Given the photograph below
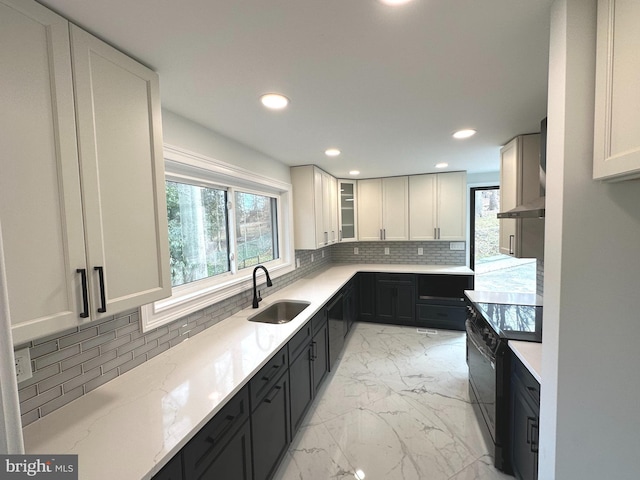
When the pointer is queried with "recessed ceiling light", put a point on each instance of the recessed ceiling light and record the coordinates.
(332, 152)
(464, 133)
(395, 2)
(354, 172)
(442, 165)
(274, 101)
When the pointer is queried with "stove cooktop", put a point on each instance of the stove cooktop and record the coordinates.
(513, 322)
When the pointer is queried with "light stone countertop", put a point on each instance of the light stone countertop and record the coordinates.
(530, 354)
(130, 427)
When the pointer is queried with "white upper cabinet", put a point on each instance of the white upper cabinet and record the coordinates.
(383, 209)
(40, 202)
(120, 150)
(348, 211)
(437, 206)
(617, 112)
(519, 183)
(315, 207)
(70, 203)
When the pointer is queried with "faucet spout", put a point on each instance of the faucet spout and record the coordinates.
(256, 294)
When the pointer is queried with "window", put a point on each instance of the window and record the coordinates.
(222, 222)
(256, 229)
(198, 240)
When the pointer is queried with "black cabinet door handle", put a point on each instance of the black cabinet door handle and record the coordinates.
(85, 298)
(103, 302)
(268, 378)
(272, 395)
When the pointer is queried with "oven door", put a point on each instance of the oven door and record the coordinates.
(482, 377)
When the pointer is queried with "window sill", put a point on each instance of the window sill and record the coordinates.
(178, 306)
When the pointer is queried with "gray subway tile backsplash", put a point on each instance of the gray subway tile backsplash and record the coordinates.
(76, 361)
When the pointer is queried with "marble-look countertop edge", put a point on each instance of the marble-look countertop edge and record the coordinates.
(530, 354)
(171, 396)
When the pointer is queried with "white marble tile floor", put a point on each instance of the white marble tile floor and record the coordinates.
(396, 408)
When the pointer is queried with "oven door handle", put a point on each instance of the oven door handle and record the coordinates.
(482, 350)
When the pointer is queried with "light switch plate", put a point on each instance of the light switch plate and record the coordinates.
(23, 365)
(322, 253)
(297, 263)
(312, 258)
(356, 250)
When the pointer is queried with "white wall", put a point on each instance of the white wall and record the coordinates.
(186, 134)
(483, 179)
(590, 420)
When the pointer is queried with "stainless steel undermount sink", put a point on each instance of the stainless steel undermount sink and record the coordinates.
(282, 311)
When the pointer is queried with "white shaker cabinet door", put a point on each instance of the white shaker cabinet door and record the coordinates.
(395, 208)
(40, 205)
(509, 184)
(370, 209)
(122, 174)
(452, 206)
(422, 207)
(617, 113)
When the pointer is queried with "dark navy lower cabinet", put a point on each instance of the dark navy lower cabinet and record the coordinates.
(525, 413)
(366, 296)
(320, 356)
(222, 448)
(440, 300)
(270, 430)
(395, 298)
(172, 470)
(301, 386)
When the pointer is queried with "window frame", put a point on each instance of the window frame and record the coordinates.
(189, 167)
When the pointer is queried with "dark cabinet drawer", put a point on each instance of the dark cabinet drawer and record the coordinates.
(212, 439)
(263, 381)
(438, 315)
(397, 278)
(319, 320)
(299, 342)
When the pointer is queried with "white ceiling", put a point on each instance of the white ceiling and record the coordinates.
(386, 85)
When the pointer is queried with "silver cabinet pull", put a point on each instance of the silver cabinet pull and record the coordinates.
(511, 240)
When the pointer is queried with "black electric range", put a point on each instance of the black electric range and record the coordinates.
(513, 322)
(489, 327)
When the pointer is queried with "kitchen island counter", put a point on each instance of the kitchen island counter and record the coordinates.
(130, 427)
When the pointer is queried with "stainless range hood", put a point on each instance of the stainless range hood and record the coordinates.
(532, 209)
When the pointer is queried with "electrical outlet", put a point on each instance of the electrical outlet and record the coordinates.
(312, 258)
(456, 245)
(322, 253)
(23, 365)
(420, 251)
(356, 251)
(297, 263)
(386, 250)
